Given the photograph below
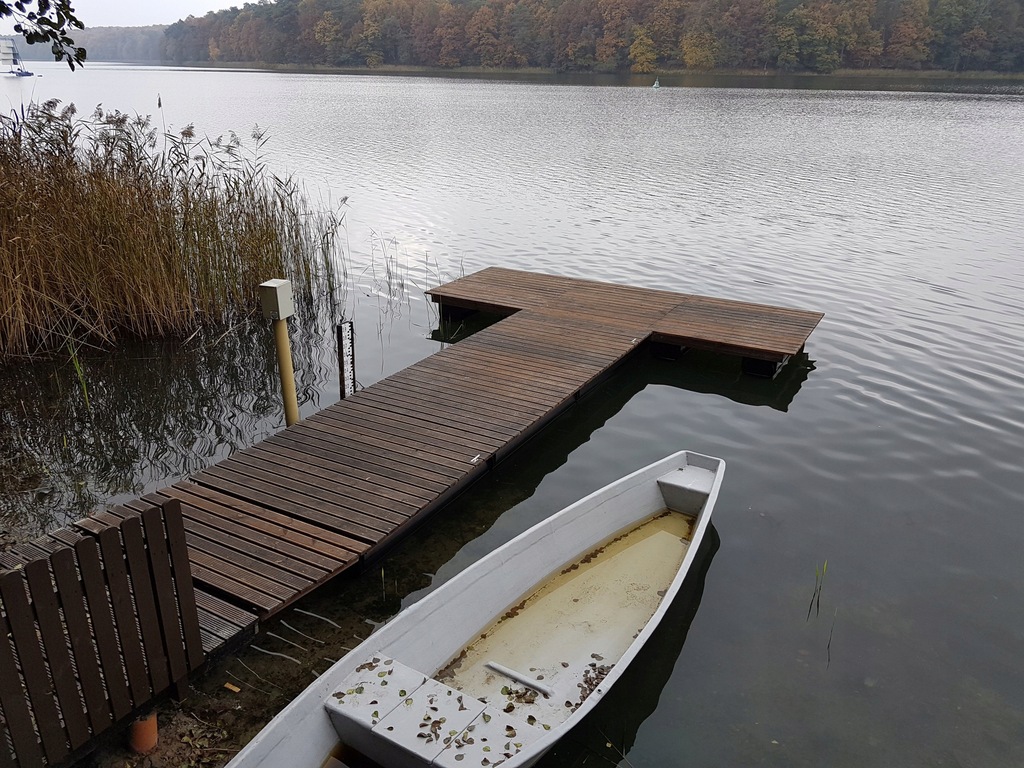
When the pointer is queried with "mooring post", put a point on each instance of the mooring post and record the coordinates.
(277, 303)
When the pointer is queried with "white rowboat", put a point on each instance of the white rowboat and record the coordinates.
(498, 663)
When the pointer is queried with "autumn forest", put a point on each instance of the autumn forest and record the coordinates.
(611, 35)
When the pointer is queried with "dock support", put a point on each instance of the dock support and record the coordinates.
(276, 301)
(764, 369)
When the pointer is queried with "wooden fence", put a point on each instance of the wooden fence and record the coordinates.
(92, 631)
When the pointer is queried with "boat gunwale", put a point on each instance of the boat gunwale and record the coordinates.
(261, 750)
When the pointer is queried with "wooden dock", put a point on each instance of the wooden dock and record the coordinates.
(274, 521)
(256, 532)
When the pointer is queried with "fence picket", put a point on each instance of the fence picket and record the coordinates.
(103, 627)
(55, 642)
(73, 601)
(145, 602)
(15, 705)
(22, 625)
(92, 627)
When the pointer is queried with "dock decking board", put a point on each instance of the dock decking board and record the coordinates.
(272, 522)
(754, 330)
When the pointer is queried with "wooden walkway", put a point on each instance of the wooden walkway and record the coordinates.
(273, 522)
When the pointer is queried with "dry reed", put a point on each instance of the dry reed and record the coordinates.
(103, 235)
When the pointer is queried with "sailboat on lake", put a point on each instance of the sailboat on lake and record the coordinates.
(10, 59)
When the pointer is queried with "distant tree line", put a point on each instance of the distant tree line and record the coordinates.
(611, 35)
(582, 35)
(110, 44)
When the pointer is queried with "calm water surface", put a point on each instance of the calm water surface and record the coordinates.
(894, 452)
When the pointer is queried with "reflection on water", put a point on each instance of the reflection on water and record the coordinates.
(147, 414)
(137, 417)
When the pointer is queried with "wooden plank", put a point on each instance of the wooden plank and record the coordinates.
(501, 375)
(279, 496)
(712, 322)
(531, 381)
(569, 366)
(298, 558)
(13, 698)
(217, 626)
(101, 616)
(6, 752)
(399, 435)
(337, 449)
(570, 353)
(546, 329)
(72, 600)
(89, 525)
(414, 430)
(489, 381)
(22, 626)
(203, 571)
(214, 605)
(367, 501)
(124, 614)
(280, 553)
(328, 543)
(451, 415)
(65, 536)
(303, 513)
(307, 491)
(267, 561)
(320, 456)
(167, 604)
(379, 441)
(364, 486)
(284, 583)
(145, 604)
(537, 375)
(177, 550)
(25, 552)
(512, 409)
(54, 634)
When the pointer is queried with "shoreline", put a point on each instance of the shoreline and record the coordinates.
(929, 76)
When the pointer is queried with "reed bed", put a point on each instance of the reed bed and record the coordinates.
(110, 229)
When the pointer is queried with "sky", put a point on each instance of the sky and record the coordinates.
(142, 13)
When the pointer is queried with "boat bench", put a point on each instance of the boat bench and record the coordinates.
(401, 717)
(685, 490)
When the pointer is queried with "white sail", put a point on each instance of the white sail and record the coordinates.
(10, 60)
(8, 57)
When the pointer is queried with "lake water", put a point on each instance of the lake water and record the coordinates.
(894, 452)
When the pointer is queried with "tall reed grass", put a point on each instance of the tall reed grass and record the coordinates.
(110, 229)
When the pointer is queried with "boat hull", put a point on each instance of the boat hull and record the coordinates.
(426, 637)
